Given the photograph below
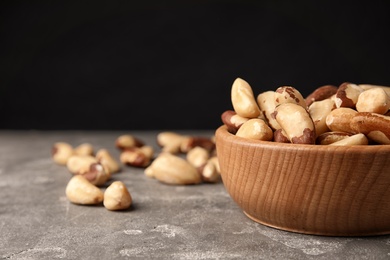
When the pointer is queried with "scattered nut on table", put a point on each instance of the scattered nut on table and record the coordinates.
(80, 191)
(117, 196)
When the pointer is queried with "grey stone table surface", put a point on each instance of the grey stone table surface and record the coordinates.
(165, 222)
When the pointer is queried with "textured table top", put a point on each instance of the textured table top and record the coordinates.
(165, 222)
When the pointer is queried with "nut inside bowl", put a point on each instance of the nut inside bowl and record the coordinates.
(311, 189)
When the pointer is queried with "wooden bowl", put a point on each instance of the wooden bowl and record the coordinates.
(311, 189)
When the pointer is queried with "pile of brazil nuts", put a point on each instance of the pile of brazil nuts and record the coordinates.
(90, 171)
(348, 114)
(183, 160)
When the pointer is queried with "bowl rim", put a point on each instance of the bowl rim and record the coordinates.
(223, 133)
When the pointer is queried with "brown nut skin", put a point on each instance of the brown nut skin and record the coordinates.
(117, 197)
(232, 121)
(296, 123)
(280, 136)
(255, 129)
(374, 126)
(80, 191)
(347, 95)
(338, 120)
(289, 94)
(321, 93)
(193, 141)
(373, 100)
(98, 175)
(243, 99)
(61, 152)
(134, 157)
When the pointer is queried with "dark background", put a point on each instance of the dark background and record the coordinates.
(116, 65)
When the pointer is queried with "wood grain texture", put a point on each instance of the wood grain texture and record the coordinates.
(312, 189)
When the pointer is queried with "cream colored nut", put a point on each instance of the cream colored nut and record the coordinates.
(289, 94)
(80, 191)
(134, 157)
(61, 152)
(148, 151)
(194, 141)
(79, 164)
(210, 173)
(331, 137)
(373, 100)
(171, 169)
(280, 136)
(356, 139)
(296, 123)
(243, 100)
(104, 157)
(198, 156)
(255, 129)
(97, 174)
(374, 126)
(347, 95)
(215, 161)
(128, 141)
(232, 121)
(117, 196)
(321, 93)
(266, 102)
(338, 120)
(170, 141)
(369, 86)
(84, 149)
(318, 111)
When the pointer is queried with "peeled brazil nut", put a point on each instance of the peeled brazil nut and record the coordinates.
(266, 102)
(296, 123)
(170, 141)
(289, 94)
(375, 126)
(373, 100)
(331, 137)
(171, 169)
(356, 139)
(321, 93)
(104, 157)
(243, 100)
(128, 141)
(79, 164)
(255, 129)
(117, 196)
(318, 111)
(369, 86)
(339, 120)
(347, 95)
(80, 191)
(61, 152)
(84, 149)
(232, 121)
